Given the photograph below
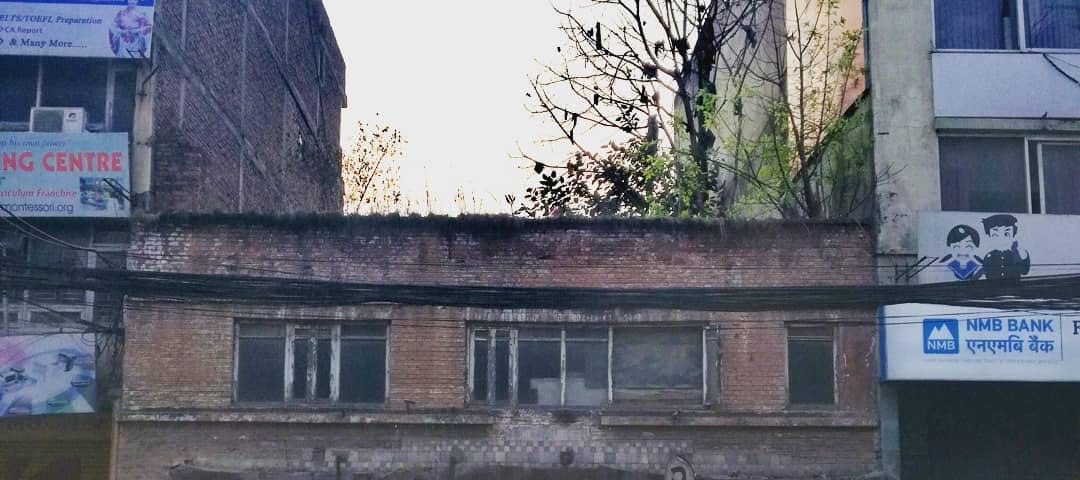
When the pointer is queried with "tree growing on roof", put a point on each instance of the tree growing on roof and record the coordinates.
(370, 170)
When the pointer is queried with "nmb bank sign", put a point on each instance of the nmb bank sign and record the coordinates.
(940, 342)
(77, 28)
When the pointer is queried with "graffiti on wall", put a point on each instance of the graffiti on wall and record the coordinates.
(44, 374)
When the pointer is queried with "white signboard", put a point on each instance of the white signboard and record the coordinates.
(977, 245)
(64, 174)
(77, 28)
(938, 342)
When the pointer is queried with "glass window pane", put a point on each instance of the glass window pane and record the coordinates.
(502, 367)
(983, 174)
(587, 372)
(301, 354)
(123, 114)
(1052, 23)
(363, 371)
(263, 331)
(480, 370)
(322, 369)
(648, 358)
(18, 75)
(587, 334)
(1061, 178)
(365, 331)
(540, 333)
(975, 24)
(76, 82)
(538, 379)
(810, 371)
(260, 367)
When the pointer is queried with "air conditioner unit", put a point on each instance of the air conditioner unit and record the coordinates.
(58, 119)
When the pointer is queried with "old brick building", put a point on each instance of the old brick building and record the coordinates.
(241, 389)
(207, 106)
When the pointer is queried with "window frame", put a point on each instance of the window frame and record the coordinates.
(833, 332)
(310, 399)
(113, 67)
(707, 332)
(1020, 24)
(1029, 158)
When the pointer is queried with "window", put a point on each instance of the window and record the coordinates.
(811, 376)
(105, 88)
(1016, 175)
(996, 25)
(310, 363)
(587, 366)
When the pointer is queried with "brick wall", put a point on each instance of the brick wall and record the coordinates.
(243, 119)
(177, 404)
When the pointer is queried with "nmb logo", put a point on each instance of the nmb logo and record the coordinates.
(940, 335)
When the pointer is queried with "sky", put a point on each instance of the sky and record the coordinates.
(452, 77)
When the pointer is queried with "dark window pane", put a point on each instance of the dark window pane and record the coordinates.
(536, 333)
(363, 371)
(262, 331)
(1052, 23)
(322, 369)
(480, 370)
(587, 372)
(123, 114)
(18, 75)
(1061, 165)
(363, 331)
(301, 352)
(260, 363)
(538, 373)
(502, 367)
(646, 358)
(76, 82)
(587, 334)
(983, 174)
(810, 369)
(975, 24)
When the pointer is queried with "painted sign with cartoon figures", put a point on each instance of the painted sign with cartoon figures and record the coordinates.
(995, 246)
(44, 374)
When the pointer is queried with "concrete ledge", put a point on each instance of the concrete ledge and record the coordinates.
(1006, 125)
(734, 420)
(285, 416)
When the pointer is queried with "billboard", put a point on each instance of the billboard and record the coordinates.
(64, 174)
(977, 245)
(77, 28)
(939, 342)
(42, 374)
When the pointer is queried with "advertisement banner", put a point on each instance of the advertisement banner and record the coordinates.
(77, 28)
(43, 374)
(939, 342)
(978, 245)
(64, 174)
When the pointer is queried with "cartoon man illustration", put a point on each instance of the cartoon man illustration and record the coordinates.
(963, 241)
(1004, 260)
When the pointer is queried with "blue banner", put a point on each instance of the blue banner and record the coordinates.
(77, 28)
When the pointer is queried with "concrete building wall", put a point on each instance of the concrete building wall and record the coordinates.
(178, 409)
(246, 101)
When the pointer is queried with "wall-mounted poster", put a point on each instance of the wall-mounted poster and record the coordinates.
(77, 28)
(42, 374)
(996, 246)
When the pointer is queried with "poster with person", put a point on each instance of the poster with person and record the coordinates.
(77, 28)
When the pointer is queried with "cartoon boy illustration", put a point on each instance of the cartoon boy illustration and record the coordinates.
(963, 241)
(1004, 260)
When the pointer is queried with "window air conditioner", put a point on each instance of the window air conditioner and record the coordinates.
(58, 119)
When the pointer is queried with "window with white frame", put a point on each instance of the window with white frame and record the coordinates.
(589, 366)
(104, 87)
(811, 369)
(1010, 174)
(1007, 24)
(310, 363)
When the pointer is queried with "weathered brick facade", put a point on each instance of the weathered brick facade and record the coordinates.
(247, 100)
(178, 416)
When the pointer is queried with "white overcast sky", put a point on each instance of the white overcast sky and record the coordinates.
(452, 77)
